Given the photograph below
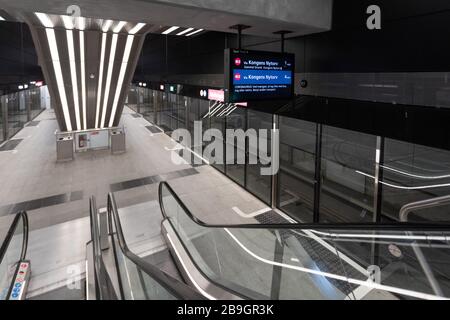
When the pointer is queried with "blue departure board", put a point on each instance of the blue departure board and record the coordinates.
(258, 75)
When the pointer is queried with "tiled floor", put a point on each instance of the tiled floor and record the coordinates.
(10, 145)
(32, 123)
(153, 129)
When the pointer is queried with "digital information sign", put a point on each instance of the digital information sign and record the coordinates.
(258, 75)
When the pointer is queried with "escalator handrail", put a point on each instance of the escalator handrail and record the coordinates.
(177, 288)
(400, 226)
(12, 229)
(103, 285)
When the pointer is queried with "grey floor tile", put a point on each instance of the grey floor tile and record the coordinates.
(10, 145)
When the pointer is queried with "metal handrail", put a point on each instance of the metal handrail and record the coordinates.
(175, 287)
(12, 229)
(403, 216)
(103, 286)
(423, 204)
(5, 245)
(401, 226)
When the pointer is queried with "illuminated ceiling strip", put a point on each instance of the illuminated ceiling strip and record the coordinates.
(219, 107)
(68, 22)
(123, 68)
(195, 32)
(185, 31)
(136, 28)
(171, 29)
(59, 77)
(366, 283)
(107, 25)
(431, 186)
(232, 110)
(73, 72)
(45, 20)
(415, 175)
(81, 23)
(119, 26)
(51, 38)
(108, 78)
(100, 80)
(211, 109)
(228, 108)
(83, 79)
(73, 69)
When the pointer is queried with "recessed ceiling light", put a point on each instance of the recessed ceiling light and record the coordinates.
(195, 32)
(185, 31)
(2, 19)
(171, 29)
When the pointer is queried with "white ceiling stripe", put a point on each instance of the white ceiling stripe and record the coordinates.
(185, 31)
(123, 68)
(170, 30)
(83, 79)
(100, 80)
(59, 77)
(108, 78)
(73, 74)
(136, 28)
(195, 32)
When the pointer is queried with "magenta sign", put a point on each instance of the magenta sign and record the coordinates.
(219, 95)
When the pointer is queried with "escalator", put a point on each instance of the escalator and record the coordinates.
(132, 278)
(15, 269)
(279, 260)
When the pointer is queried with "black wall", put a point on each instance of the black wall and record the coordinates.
(414, 38)
(18, 59)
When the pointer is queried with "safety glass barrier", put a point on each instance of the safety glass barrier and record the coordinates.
(296, 263)
(138, 279)
(12, 251)
(19, 108)
(138, 285)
